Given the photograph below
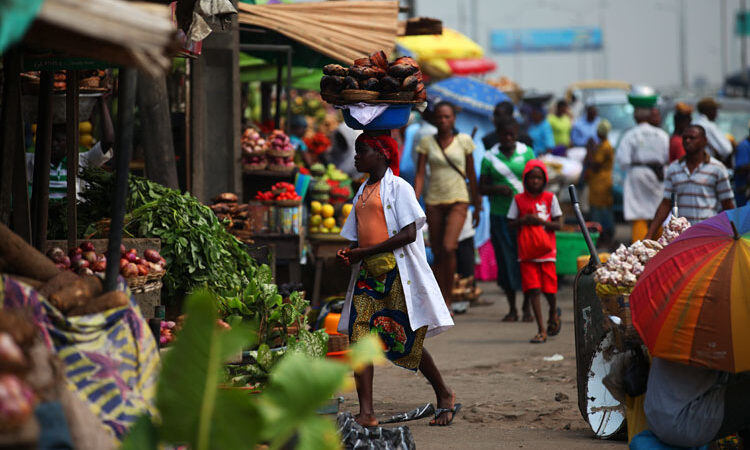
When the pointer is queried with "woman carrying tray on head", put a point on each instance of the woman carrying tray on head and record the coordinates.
(447, 199)
(392, 290)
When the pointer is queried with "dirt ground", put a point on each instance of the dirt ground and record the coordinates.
(511, 397)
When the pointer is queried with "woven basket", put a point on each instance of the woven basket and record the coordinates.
(281, 153)
(281, 169)
(136, 282)
(327, 96)
(255, 167)
(359, 95)
(338, 342)
(155, 276)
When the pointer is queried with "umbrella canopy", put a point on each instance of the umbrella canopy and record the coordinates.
(468, 94)
(447, 54)
(691, 304)
(449, 45)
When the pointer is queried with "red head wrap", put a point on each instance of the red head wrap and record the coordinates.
(385, 145)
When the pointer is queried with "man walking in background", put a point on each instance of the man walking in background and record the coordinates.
(585, 128)
(643, 152)
(699, 182)
(718, 145)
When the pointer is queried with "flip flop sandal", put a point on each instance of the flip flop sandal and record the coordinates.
(510, 318)
(538, 339)
(438, 411)
(554, 326)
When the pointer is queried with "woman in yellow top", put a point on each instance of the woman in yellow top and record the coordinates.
(447, 199)
(561, 123)
(600, 161)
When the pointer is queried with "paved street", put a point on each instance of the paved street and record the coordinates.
(507, 390)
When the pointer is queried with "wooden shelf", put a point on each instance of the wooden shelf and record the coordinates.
(269, 173)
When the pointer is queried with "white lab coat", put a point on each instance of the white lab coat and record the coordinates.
(424, 301)
(642, 144)
(718, 145)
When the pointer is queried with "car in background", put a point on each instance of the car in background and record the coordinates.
(733, 118)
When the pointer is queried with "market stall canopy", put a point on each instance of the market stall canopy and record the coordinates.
(15, 18)
(115, 31)
(468, 94)
(257, 69)
(340, 30)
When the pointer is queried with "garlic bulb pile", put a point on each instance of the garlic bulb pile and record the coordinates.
(674, 228)
(626, 264)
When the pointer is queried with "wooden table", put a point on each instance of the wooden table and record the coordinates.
(287, 249)
(323, 246)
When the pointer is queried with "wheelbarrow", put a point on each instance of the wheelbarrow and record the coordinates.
(604, 414)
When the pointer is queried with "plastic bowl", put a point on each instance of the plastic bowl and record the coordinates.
(395, 116)
(645, 101)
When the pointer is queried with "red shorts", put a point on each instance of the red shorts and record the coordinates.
(539, 275)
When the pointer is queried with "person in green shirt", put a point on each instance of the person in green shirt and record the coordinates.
(500, 178)
(561, 123)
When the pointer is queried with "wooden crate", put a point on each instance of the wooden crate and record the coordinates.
(147, 301)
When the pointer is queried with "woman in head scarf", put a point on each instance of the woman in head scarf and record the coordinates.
(392, 290)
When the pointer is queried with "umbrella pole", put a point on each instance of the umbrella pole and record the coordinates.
(582, 224)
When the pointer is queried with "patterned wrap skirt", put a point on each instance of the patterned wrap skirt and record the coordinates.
(379, 306)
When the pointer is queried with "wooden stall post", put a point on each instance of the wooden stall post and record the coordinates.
(42, 159)
(71, 144)
(13, 183)
(123, 150)
(277, 115)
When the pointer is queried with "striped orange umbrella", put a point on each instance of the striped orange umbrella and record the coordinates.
(691, 305)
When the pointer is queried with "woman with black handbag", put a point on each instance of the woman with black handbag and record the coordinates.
(452, 187)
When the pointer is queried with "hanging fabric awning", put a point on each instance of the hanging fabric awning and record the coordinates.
(341, 30)
(115, 31)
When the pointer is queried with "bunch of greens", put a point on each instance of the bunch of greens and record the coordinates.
(260, 300)
(197, 410)
(198, 249)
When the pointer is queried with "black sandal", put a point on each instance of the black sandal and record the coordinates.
(438, 411)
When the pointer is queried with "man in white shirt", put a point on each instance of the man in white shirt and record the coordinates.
(643, 152)
(718, 145)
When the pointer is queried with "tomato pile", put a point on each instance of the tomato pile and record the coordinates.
(279, 191)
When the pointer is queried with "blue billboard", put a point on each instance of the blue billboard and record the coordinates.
(546, 40)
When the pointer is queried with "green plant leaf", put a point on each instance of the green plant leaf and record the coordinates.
(366, 351)
(264, 358)
(298, 386)
(187, 393)
(318, 433)
(313, 345)
(142, 435)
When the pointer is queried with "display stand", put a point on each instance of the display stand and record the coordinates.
(324, 246)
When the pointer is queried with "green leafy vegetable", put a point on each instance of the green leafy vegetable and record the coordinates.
(196, 409)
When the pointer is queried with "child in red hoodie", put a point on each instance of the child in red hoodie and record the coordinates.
(537, 213)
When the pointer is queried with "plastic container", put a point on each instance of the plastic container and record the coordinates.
(571, 245)
(395, 116)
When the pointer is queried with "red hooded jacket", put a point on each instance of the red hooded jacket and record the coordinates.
(545, 206)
